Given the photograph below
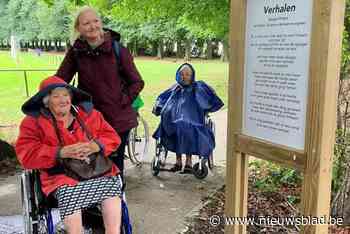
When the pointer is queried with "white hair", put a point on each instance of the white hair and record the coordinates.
(46, 100)
(47, 97)
(186, 66)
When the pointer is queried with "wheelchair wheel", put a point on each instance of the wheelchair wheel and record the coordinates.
(27, 204)
(211, 161)
(138, 141)
(159, 159)
(211, 125)
(161, 153)
(35, 221)
(155, 166)
(200, 173)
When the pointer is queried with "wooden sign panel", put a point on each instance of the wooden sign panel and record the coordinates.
(284, 69)
(277, 51)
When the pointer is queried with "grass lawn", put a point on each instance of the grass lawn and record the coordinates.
(158, 76)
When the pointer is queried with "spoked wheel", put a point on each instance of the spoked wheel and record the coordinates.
(34, 222)
(45, 224)
(161, 153)
(200, 173)
(211, 161)
(211, 125)
(138, 141)
(159, 159)
(155, 166)
(26, 203)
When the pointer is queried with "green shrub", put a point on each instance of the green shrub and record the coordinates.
(269, 177)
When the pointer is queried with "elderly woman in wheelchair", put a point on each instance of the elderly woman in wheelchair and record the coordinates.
(62, 127)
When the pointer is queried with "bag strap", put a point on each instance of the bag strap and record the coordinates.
(56, 129)
(117, 52)
(81, 123)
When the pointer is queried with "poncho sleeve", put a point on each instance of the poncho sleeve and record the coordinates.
(162, 100)
(207, 98)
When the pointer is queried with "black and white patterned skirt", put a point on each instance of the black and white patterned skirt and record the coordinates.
(87, 194)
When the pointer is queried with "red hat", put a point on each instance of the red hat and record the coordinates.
(35, 103)
(51, 80)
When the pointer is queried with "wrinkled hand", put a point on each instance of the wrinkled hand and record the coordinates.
(79, 150)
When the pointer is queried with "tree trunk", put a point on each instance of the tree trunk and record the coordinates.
(56, 45)
(134, 48)
(179, 49)
(341, 202)
(187, 50)
(160, 50)
(169, 49)
(154, 48)
(60, 45)
(68, 44)
(225, 51)
(339, 118)
(209, 49)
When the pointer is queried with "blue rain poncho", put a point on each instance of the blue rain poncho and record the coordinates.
(182, 108)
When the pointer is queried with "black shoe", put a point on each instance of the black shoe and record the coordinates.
(176, 168)
(187, 170)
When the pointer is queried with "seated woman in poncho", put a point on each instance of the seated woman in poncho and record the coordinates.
(183, 109)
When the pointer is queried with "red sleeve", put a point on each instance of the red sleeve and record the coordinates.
(68, 66)
(31, 152)
(132, 76)
(104, 134)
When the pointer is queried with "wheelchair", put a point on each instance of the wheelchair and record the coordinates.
(200, 169)
(138, 141)
(37, 216)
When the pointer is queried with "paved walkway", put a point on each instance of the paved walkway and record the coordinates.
(157, 204)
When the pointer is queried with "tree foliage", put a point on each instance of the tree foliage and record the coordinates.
(55, 20)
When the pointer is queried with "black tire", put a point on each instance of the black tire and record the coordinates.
(138, 142)
(155, 166)
(161, 153)
(211, 161)
(34, 223)
(26, 203)
(200, 174)
(211, 125)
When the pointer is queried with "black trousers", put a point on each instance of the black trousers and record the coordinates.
(119, 159)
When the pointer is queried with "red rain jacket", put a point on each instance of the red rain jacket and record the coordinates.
(37, 144)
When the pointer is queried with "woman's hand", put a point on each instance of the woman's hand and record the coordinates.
(91, 148)
(79, 150)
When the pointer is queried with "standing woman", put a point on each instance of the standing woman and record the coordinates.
(92, 56)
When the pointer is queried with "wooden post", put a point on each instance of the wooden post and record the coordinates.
(328, 18)
(236, 162)
(315, 157)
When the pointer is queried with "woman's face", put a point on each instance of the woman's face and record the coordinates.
(186, 75)
(90, 26)
(60, 102)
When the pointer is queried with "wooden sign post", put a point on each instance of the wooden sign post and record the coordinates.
(284, 70)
